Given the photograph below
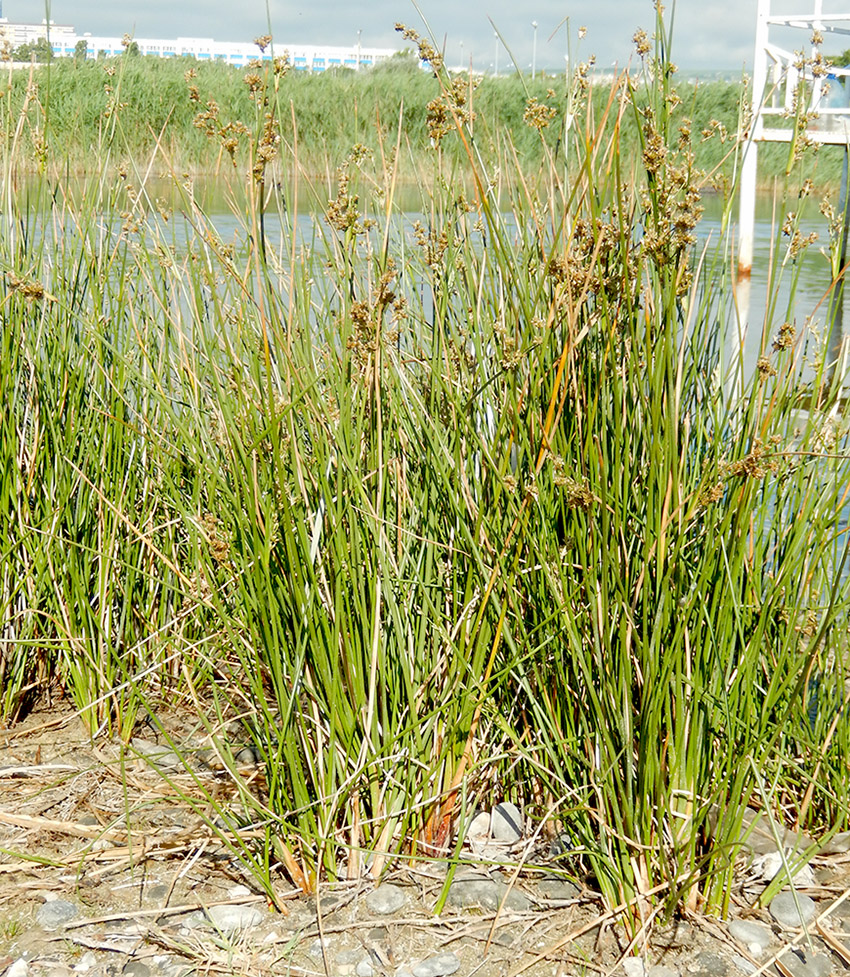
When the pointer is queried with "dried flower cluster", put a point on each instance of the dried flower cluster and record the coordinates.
(427, 52)
(761, 460)
(786, 337)
(641, 42)
(342, 212)
(799, 241)
(671, 200)
(30, 289)
(537, 115)
(434, 245)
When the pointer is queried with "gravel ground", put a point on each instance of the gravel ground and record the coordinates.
(80, 894)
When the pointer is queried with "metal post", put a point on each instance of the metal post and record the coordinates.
(496, 59)
(534, 52)
(749, 167)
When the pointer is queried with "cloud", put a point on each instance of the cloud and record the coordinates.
(708, 33)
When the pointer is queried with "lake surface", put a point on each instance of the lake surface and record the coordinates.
(779, 289)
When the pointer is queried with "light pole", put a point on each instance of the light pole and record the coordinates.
(496, 60)
(358, 47)
(461, 55)
(534, 52)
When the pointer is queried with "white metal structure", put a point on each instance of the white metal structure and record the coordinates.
(789, 84)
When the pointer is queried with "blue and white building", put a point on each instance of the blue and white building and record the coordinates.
(304, 57)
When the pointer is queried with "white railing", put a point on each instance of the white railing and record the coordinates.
(798, 87)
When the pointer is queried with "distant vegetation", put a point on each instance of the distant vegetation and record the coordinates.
(73, 110)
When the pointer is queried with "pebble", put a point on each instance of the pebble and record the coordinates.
(708, 964)
(676, 935)
(191, 921)
(506, 823)
(837, 845)
(440, 965)
(88, 961)
(770, 865)
(744, 965)
(751, 935)
(135, 968)
(364, 968)
(315, 948)
(165, 760)
(661, 970)
(485, 892)
(557, 890)
(386, 899)
(19, 968)
(56, 913)
(234, 919)
(239, 892)
(803, 964)
(634, 967)
(793, 910)
(479, 828)
(348, 958)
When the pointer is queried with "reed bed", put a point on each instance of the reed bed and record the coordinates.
(433, 509)
(63, 115)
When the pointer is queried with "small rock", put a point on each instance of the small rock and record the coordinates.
(557, 890)
(471, 888)
(676, 935)
(803, 964)
(758, 835)
(440, 965)
(345, 958)
(234, 919)
(164, 759)
(155, 893)
(191, 921)
(56, 913)
(660, 970)
(19, 968)
(88, 961)
(315, 948)
(364, 968)
(506, 823)
(708, 964)
(478, 831)
(560, 845)
(634, 967)
(744, 965)
(750, 934)
(135, 968)
(770, 865)
(837, 845)
(246, 757)
(386, 899)
(793, 910)
(239, 892)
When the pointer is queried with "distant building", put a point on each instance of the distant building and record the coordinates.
(17, 34)
(304, 57)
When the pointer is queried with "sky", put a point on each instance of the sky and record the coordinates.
(707, 34)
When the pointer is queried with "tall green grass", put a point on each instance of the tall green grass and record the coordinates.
(442, 507)
(155, 109)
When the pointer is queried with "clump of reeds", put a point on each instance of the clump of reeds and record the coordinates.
(447, 508)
